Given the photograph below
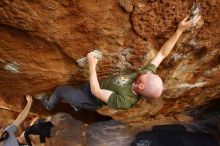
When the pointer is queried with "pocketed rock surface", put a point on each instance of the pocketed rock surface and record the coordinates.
(41, 41)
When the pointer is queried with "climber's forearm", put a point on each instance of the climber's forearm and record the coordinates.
(94, 84)
(169, 44)
(166, 48)
(102, 94)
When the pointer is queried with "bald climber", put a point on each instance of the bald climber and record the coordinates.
(118, 91)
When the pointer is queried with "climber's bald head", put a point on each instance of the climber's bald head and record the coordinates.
(148, 85)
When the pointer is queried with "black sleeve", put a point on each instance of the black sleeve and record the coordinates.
(26, 136)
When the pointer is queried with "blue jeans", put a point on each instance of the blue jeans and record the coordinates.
(79, 98)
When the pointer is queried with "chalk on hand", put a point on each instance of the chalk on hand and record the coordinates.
(83, 61)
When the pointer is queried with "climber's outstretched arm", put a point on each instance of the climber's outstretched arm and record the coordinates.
(169, 44)
(22, 116)
(102, 94)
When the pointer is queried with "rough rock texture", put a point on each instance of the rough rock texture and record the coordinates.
(109, 133)
(71, 132)
(40, 42)
(66, 131)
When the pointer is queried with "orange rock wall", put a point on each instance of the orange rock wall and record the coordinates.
(40, 42)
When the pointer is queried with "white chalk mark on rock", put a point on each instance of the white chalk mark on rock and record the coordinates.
(189, 86)
(12, 67)
(195, 11)
(176, 56)
(83, 61)
(192, 43)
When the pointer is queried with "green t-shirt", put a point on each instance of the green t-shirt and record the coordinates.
(122, 96)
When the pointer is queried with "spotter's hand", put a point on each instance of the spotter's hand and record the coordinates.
(29, 99)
